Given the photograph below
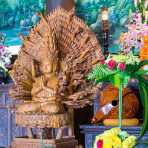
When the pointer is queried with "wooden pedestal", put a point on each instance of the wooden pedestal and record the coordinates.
(67, 142)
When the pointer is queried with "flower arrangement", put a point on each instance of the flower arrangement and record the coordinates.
(5, 56)
(115, 138)
(133, 40)
(120, 68)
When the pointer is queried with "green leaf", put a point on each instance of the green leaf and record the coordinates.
(141, 72)
(141, 64)
(126, 80)
(101, 73)
(117, 80)
(144, 96)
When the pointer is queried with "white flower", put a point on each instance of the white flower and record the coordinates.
(5, 58)
(136, 3)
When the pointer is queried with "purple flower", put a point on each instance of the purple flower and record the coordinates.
(127, 50)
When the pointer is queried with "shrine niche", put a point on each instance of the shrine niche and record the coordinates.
(50, 72)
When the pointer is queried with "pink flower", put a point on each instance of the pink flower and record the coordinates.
(102, 62)
(2, 49)
(122, 66)
(132, 27)
(100, 144)
(127, 50)
(1, 46)
(111, 64)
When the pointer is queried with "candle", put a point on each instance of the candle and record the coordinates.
(105, 25)
(104, 14)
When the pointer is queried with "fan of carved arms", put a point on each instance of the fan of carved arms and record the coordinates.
(51, 69)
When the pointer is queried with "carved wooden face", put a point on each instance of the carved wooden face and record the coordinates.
(46, 67)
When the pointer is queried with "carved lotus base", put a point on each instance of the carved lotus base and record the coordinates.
(67, 142)
(41, 120)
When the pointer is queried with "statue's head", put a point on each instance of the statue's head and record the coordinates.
(49, 55)
(46, 67)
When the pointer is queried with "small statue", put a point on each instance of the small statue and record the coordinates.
(109, 107)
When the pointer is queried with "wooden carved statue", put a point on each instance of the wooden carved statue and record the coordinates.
(51, 69)
(109, 101)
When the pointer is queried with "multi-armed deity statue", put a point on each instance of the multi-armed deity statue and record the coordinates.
(51, 69)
